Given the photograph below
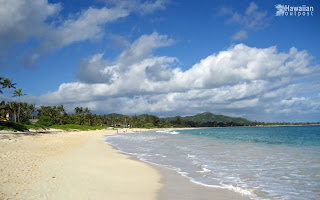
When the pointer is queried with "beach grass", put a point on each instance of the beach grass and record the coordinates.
(12, 126)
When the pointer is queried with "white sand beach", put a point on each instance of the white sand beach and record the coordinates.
(71, 165)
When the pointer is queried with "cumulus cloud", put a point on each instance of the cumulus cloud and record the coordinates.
(41, 22)
(239, 80)
(137, 58)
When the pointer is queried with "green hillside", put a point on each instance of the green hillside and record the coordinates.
(210, 117)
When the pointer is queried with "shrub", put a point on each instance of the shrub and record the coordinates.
(44, 121)
(148, 125)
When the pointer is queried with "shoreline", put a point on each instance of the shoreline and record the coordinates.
(61, 164)
(177, 187)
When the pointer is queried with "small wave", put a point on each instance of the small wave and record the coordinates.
(241, 191)
(191, 156)
(168, 131)
(162, 131)
(204, 169)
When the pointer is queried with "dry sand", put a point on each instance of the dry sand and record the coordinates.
(71, 165)
(79, 165)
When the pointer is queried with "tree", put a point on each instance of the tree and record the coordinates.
(79, 117)
(31, 109)
(86, 110)
(62, 115)
(14, 107)
(87, 116)
(61, 109)
(7, 83)
(4, 108)
(78, 110)
(1, 83)
(18, 93)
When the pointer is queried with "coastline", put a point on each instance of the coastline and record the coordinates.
(178, 187)
(79, 165)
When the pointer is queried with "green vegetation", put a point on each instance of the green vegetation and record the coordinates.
(78, 127)
(12, 126)
(208, 119)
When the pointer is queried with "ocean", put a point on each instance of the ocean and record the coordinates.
(262, 162)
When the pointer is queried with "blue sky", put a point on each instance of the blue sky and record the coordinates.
(165, 57)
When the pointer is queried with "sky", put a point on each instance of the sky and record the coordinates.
(165, 57)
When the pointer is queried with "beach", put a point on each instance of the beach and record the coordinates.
(79, 165)
(71, 165)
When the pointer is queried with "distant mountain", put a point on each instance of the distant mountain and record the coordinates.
(210, 117)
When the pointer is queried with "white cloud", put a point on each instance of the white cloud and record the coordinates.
(297, 105)
(138, 6)
(40, 21)
(136, 59)
(239, 80)
(83, 26)
(240, 35)
(22, 19)
(141, 48)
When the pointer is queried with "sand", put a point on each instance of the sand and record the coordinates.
(79, 165)
(177, 187)
(71, 165)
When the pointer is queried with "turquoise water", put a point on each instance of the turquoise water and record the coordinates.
(282, 135)
(262, 162)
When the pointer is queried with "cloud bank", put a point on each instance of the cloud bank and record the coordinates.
(241, 79)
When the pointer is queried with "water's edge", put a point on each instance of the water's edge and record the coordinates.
(177, 186)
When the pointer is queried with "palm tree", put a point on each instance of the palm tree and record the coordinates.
(18, 93)
(7, 83)
(31, 109)
(86, 110)
(61, 114)
(14, 107)
(87, 114)
(1, 83)
(78, 110)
